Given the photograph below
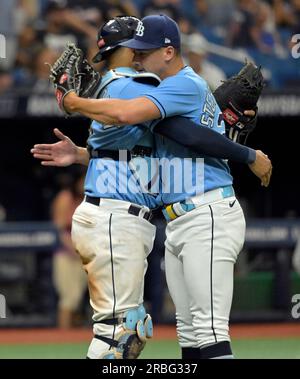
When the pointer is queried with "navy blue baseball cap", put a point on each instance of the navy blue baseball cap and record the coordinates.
(153, 32)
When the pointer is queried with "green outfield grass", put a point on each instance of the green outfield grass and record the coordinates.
(164, 349)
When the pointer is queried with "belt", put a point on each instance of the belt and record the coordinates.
(133, 209)
(120, 155)
(173, 211)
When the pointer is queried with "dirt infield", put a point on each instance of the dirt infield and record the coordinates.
(247, 331)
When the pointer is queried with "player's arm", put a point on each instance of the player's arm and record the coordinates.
(203, 141)
(116, 111)
(113, 111)
(207, 142)
(62, 153)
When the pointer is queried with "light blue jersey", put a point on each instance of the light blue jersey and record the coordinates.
(107, 178)
(188, 95)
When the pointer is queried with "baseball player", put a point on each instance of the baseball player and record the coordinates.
(111, 229)
(206, 226)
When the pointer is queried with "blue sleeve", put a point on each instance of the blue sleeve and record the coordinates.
(136, 89)
(175, 96)
(204, 141)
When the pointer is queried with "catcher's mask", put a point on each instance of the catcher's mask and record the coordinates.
(112, 33)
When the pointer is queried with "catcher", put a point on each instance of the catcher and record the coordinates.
(192, 343)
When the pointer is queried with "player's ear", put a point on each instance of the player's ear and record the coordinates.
(169, 53)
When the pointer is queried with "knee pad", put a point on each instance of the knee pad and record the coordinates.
(146, 320)
(131, 335)
(137, 328)
(138, 320)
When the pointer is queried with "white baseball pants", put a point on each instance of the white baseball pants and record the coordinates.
(201, 249)
(113, 246)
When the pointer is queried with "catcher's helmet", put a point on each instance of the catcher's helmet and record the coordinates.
(112, 33)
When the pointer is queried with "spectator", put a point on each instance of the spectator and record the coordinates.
(91, 12)
(41, 70)
(296, 16)
(55, 35)
(118, 7)
(212, 13)
(219, 12)
(265, 35)
(33, 76)
(69, 278)
(166, 7)
(186, 28)
(64, 25)
(283, 12)
(27, 41)
(198, 59)
(243, 24)
(6, 81)
(195, 11)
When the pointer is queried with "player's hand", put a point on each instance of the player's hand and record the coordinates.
(59, 154)
(249, 113)
(262, 168)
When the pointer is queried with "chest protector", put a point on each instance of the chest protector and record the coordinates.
(141, 77)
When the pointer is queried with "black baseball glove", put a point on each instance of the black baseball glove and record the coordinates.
(236, 95)
(72, 72)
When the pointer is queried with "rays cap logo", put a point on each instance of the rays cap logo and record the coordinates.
(154, 32)
(140, 29)
(2, 46)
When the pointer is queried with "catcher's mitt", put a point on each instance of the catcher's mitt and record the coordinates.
(72, 72)
(237, 94)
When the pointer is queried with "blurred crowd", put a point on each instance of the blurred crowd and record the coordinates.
(217, 35)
